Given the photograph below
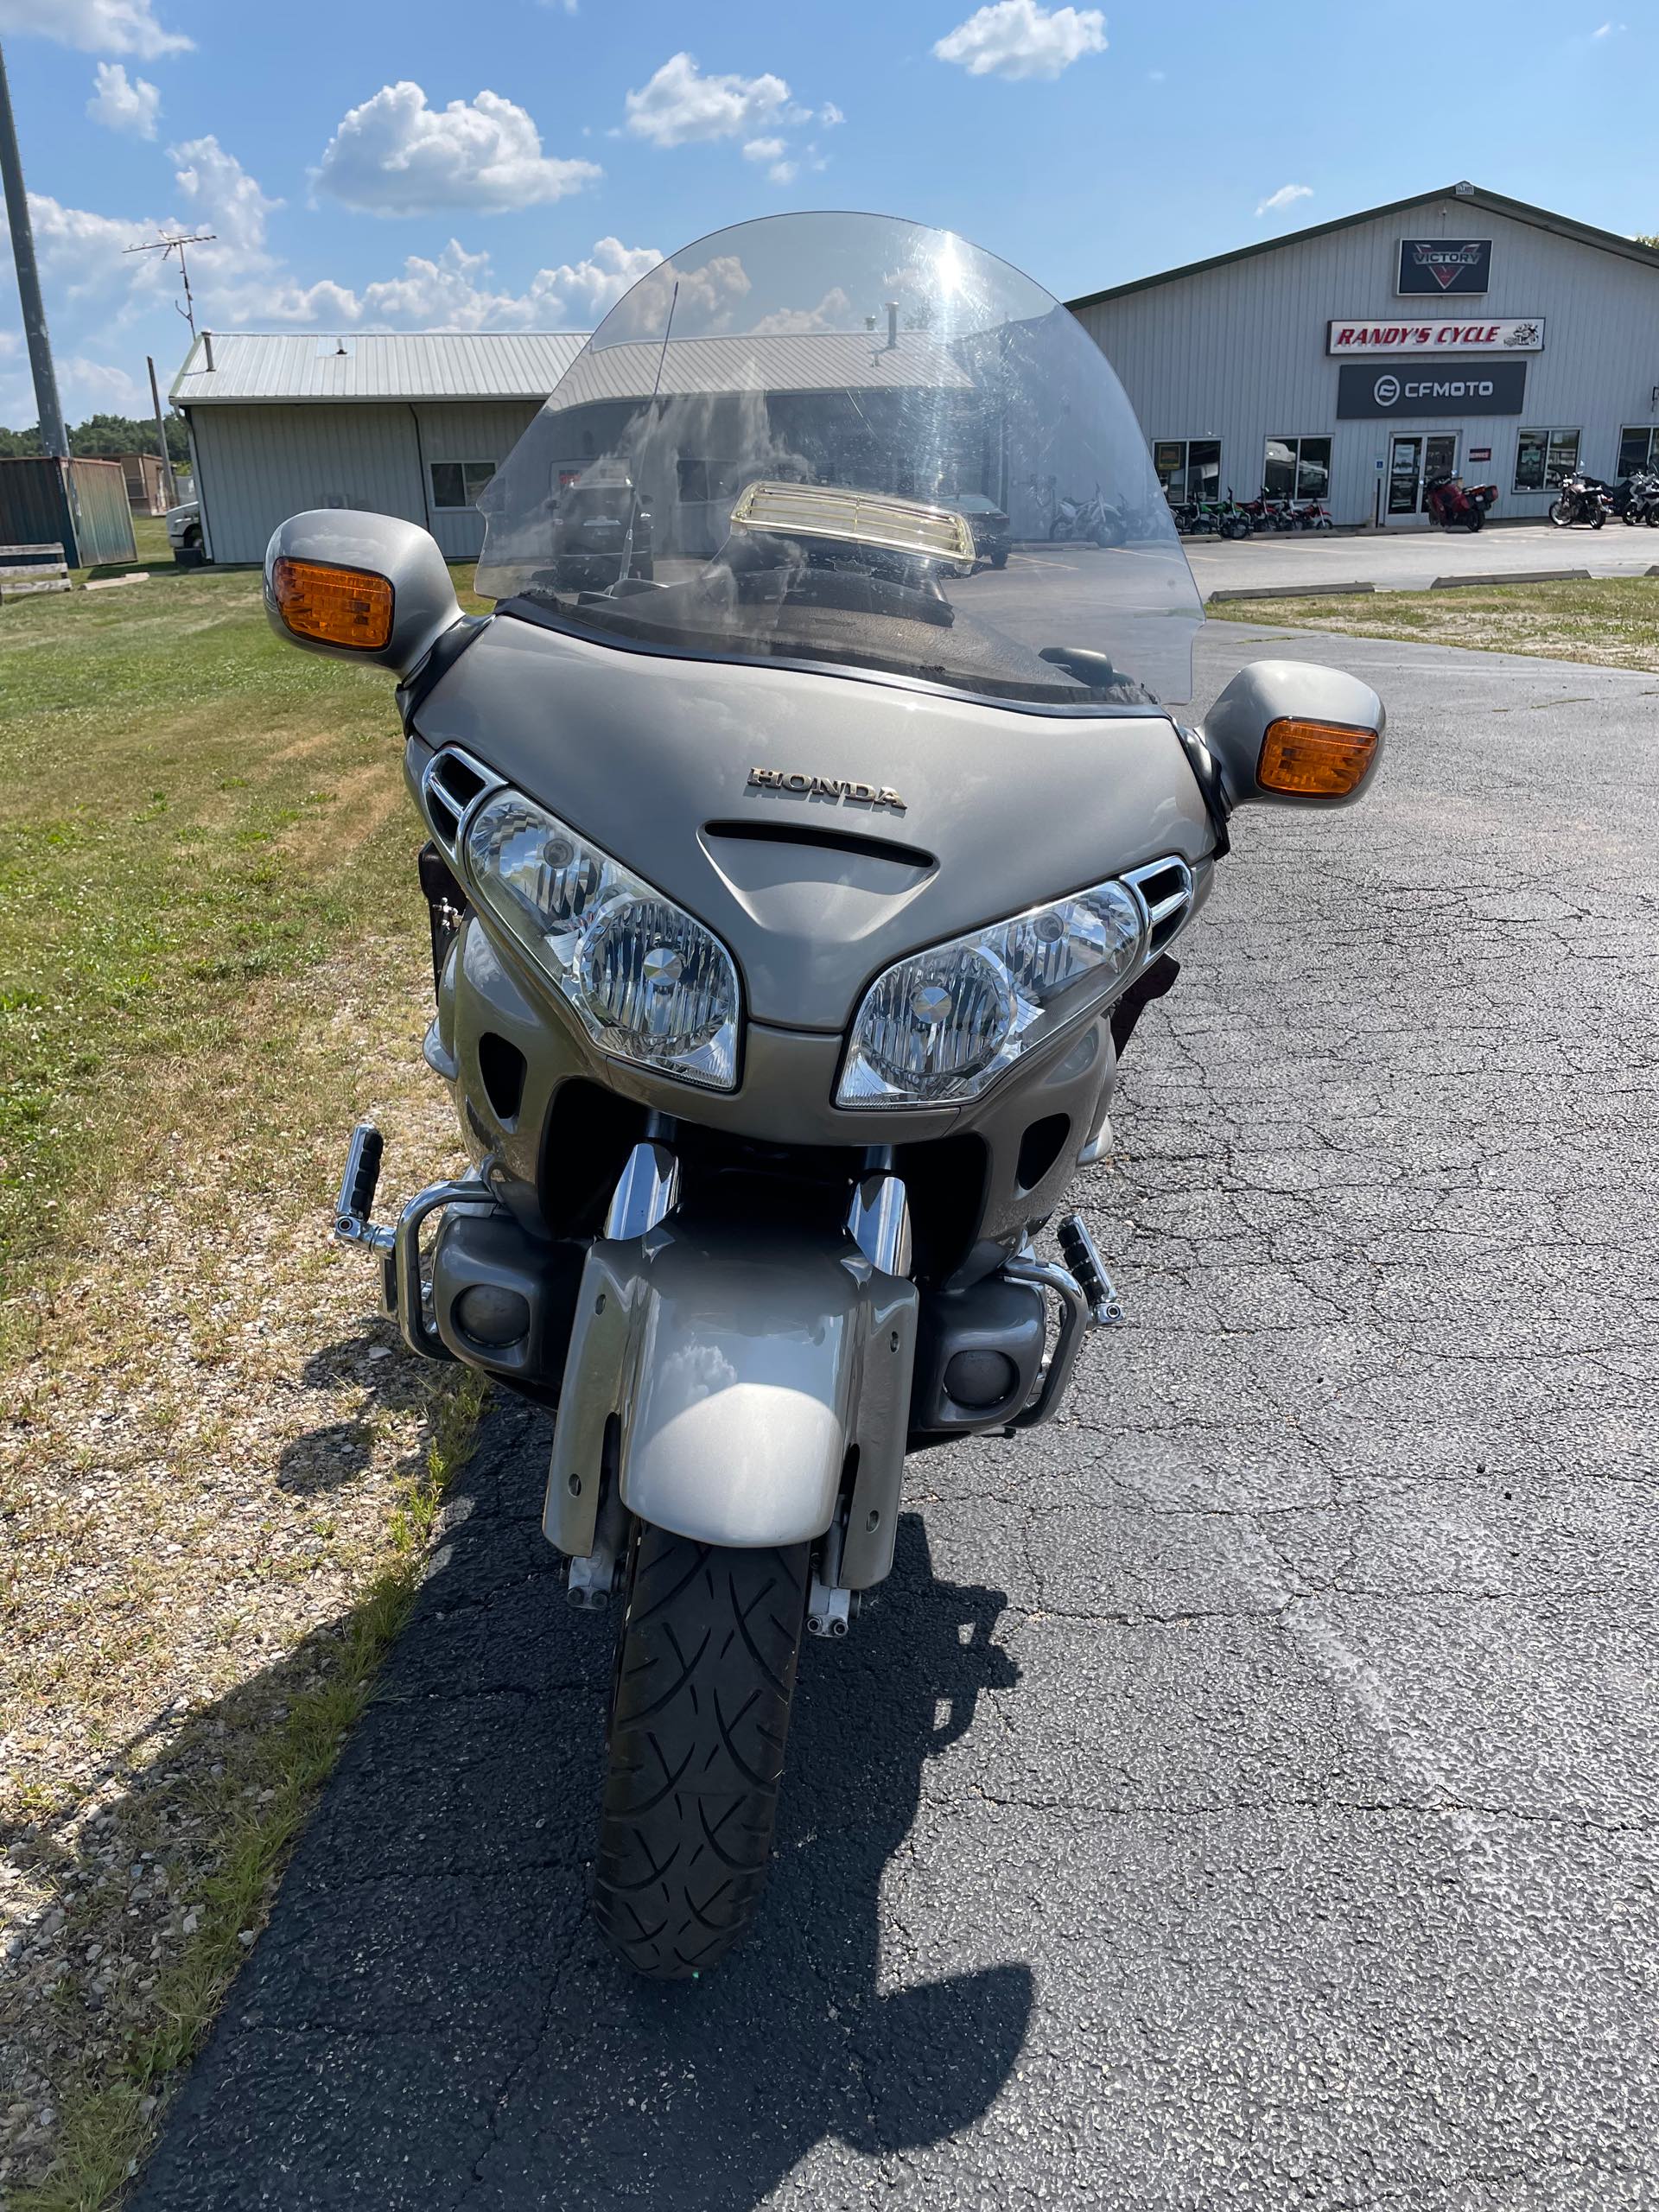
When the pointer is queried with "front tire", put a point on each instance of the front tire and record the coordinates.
(1561, 514)
(699, 1717)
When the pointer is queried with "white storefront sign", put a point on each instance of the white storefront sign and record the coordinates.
(1520, 335)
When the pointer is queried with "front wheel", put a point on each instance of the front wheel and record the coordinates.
(705, 1677)
(1560, 513)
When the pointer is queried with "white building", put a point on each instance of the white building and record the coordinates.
(1453, 330)
(410, 426)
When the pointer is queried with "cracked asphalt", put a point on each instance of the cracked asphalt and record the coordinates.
(1244, 1793)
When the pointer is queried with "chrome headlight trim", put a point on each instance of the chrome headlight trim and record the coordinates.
(586, 923)
(1061, 960)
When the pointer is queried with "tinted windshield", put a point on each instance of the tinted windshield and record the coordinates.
(808, 409)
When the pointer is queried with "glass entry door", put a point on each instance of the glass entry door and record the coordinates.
(1415, 459)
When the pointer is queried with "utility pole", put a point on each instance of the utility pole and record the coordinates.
(165, 247)
(53, 437)
(169, 490)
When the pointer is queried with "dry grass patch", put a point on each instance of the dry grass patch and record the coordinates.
(218, 1468)
(1610, 622)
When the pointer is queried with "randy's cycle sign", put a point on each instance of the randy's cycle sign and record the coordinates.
(1366, 390)
(1514, 335)
(1438, 266)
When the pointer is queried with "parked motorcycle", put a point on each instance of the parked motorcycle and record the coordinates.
(1457, 506)
(1635, 498)
(1581, 498)
(1093, 520)
(791, 912)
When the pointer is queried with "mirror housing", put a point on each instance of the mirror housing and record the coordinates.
(1293, 734)
(359, 586)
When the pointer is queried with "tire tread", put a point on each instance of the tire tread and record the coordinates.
(706, 1676)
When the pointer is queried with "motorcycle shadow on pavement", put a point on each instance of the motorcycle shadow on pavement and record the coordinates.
(431, 2020)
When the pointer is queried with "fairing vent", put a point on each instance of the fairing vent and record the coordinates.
(451, 782)
(1165, 890)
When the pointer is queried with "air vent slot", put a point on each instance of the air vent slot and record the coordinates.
(452, 781)
(825, 839)
(1165, 890)
(502, 1067)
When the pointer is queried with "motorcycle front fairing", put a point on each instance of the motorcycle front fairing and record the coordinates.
(811, 910)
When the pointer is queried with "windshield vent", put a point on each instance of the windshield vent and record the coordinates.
(453, 780)
(1165, 890)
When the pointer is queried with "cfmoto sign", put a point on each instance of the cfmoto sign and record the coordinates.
(1366, 390)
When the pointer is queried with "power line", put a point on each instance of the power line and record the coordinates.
(165, 247)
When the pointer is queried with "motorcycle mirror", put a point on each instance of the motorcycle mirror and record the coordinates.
(1289, 732)
(359, 586)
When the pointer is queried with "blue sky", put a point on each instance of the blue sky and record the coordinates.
(366, 164)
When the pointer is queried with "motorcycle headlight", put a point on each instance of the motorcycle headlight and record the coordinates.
(647, 982)
(944, 1024)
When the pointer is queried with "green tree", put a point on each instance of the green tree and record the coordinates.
(1649, 238)
(102, 437)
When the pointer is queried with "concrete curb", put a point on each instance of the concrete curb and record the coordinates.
(1521, 576)
(1287, 591)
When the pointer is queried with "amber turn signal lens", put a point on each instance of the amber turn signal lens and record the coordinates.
(337, 606)
(1314, 760)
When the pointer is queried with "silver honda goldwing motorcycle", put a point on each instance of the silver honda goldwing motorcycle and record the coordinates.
(792, 907)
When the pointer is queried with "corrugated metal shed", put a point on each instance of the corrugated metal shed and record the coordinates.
(793, 361)
(255, 366)
(80, 505)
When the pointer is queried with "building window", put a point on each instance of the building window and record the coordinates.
(1296, 469)
(458, 483)
(1188, 468)
(1545, 459)
(1638, 449)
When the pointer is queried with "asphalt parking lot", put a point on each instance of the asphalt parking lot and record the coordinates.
(1411, 560)
(1245, 1794)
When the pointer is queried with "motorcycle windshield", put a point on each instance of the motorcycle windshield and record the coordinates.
(844, 439)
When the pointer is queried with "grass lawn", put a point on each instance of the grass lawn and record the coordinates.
(217, 1469)
(1612, 621)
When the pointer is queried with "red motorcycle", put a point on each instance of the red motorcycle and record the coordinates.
(1457, 506)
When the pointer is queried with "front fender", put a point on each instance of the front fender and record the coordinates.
(741, 1364)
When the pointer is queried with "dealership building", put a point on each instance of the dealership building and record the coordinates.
(1353, 361)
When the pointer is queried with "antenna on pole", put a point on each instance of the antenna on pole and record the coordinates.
(165, 247)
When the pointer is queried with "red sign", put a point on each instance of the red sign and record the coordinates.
(1480, 453)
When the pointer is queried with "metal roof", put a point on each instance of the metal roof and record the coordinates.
(300, 366)
(1465, 194)
(816, 361)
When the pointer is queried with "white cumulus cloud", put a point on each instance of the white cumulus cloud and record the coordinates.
(763, 150)
(395, 155)
(95, 26)
(680, 104)
(124, 103)
(1287, 196)
(1018, 38)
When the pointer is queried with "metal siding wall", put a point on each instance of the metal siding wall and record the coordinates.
(1238, 352)
(104, 522)
(472, 430)
(259, 464)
